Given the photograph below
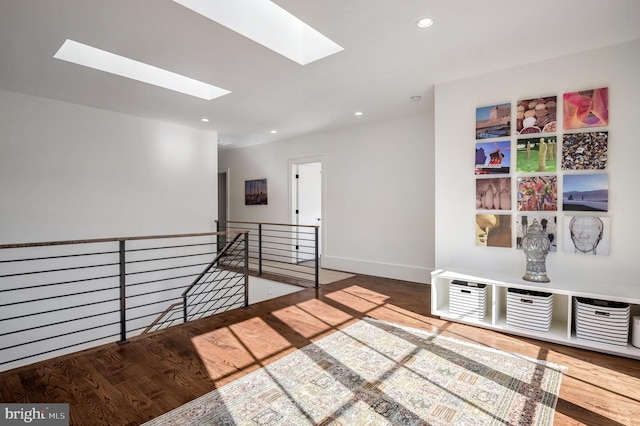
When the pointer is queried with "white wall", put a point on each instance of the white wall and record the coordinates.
(69, 172)
(378, 192)
(261, 289)
(616, 68)
(72, 172)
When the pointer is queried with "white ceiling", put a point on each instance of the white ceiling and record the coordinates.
(386, 58)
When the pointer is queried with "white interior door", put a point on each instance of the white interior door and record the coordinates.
(307, 206)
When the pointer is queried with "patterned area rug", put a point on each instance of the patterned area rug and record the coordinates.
(378, 373)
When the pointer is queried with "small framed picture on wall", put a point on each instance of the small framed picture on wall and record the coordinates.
(586, 108)
(493, 121)
(587, 235)
(538, 193)
(493, 230)
(585, 192)
(255, 192)
(493, 194)
(536, 154)
(493, 157)
(585, 151)
(549, 224)
(537, 115)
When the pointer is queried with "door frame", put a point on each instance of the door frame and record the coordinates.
(227, 173)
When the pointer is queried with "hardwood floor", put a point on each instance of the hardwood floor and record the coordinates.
(132, 383)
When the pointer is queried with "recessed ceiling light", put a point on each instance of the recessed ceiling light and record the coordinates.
(204, 120)
(91, 57)
(424, 22)
(268, 24)
(273, 132)
(358, 113)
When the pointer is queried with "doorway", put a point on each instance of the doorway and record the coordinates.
(223, 206)
(306, 205)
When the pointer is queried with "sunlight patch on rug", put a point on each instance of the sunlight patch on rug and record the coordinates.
(375, 372)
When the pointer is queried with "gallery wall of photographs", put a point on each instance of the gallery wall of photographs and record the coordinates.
(525, 156)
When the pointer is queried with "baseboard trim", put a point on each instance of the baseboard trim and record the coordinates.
(378, 269)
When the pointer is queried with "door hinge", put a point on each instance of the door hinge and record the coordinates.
(297, 211)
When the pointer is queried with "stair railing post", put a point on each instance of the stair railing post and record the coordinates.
(217, 236)
(246, 269)
(184, 307)
(259, 249)
(123, 293)
(317, 247)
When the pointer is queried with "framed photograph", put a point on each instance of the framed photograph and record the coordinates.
(536, 154)
(587, 108)
(255, 192)
(493, 194)
(585, 151)
(549, 227)
(587, 235)
(536, 115)
(493, 230)
(538, 193)
(585, 192)
(493, 157)
(493, 121)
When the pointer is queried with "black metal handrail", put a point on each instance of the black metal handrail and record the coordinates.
(212, 274)
(222, 284)
(62, 296)
(286, 250)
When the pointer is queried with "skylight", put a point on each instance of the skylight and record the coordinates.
(268, 24)
(91, 57)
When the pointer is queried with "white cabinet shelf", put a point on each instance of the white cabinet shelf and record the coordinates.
(563, 293)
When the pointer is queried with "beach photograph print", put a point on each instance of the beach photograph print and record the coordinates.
(549, 226)
(536, 154)
(585, 192)
(493, 194)
(493, 157)
(537, 193)
(587, 235)
(536, 116)
(587, 108)
(585, 151)
(493, 121)
(493, 230)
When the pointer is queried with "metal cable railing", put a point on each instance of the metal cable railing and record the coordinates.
(64, 296)
(224, 283)
(285, 250)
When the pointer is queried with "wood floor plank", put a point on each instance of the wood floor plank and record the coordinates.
(132, 383)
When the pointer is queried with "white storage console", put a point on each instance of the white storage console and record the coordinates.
(562, 312)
